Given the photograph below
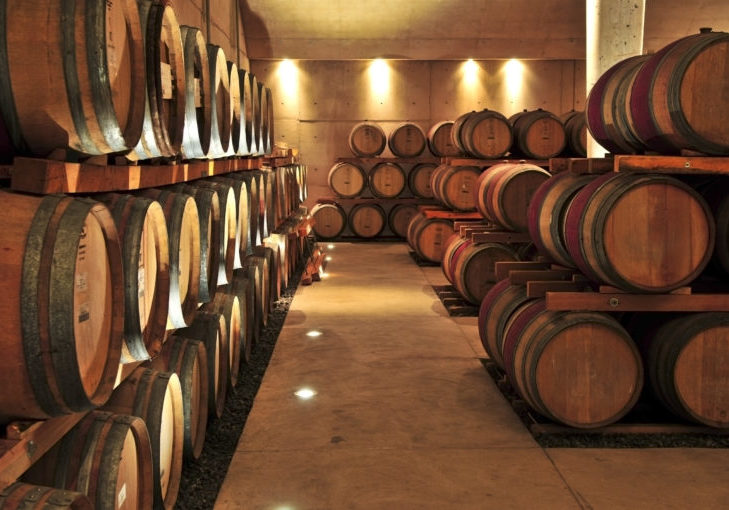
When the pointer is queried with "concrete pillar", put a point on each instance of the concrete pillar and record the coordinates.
(614, 30)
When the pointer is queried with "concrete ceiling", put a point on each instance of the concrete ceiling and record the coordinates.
(449, 29)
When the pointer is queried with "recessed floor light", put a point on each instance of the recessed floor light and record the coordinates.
(330, 246)
(305, 393)
(314, 333)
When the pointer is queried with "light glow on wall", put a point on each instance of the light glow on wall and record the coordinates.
(288, 75)
(514, 71)
(379, 78)
(470, 72)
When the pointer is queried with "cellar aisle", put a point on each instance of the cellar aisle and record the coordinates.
(405, 416)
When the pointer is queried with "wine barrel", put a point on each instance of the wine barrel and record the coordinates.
(440, 140)
(164, 119)
(367, 139)
(419, 179)
(62, 289)
(209, 216)
(156, 398)
(227, 227)
(387, 180)
(209, 328)
(427, 236)
(367, 220)
(106, 456)
(145, 252)
(575, 127)
(329, 220)
(262, 289)
(497, 307)
(407, 140)
(674, 98)
(247, 145)
(58, 102)
(273, 260)
(547, 213)
(263, 141)
(268, 113)
(255, 116)
(262, 205)
(640, 233)
(578, 368)
(242, 216)
(183, 229)
(347, 180)
(236, 120)
(509, 192)
(246, 285)
(608, 119)
(254, 205)
(280, 242)
(269, 185)
(686, 359)
(198, 107)
(229, 307)
(24, 496)
(485, 134)
(474, 268)
(399, 218)
(187, 358)
(453, 245)
(454, 187)
(221, 106)
(538, 134)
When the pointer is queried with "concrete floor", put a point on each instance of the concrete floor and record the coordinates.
(406, 417)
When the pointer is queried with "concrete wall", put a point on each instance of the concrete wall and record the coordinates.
(316, 103)
(217, 19)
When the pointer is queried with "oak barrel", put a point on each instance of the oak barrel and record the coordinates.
(575, 127)
(209, 215)
(188, 359)
(367, 139)
(473, 268)
(264, 142)
(183, 229)
(419, 179)
(485, 134)
(347, 180)
(62, 288)
(209, 328)
(156, 398)
(578, 368)
(399, 218)
(198, 105)
(330, 220)
(497, 307)
(387, 180)
(453, 246)
(509, 192)
(548, 211)
(145, 252)
(280, 242)
(106, 456)
(273, 262)
(164, 119)
(609, 121)
(221, 105)
(268, 115)
(262, 300)
(229, 307)
(676, 98)
(453, 186)
(538, 134)
(72, 81)
(255, 116)
(407, 140)
(246, 284)
(440, 140)
(640, 233)
(367, 220)
(247, 145)
(427, 236)
(254, 205)
(242, 216)
(25, 496)
(686, 359)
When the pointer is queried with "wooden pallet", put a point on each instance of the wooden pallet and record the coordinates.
(454, 302)
(648, 424)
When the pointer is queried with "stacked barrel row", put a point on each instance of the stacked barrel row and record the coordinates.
(487, 134)
(665, 102)
(93, 286)
(157, 90)
(389, 179)
(365, 219)
(640, 233)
